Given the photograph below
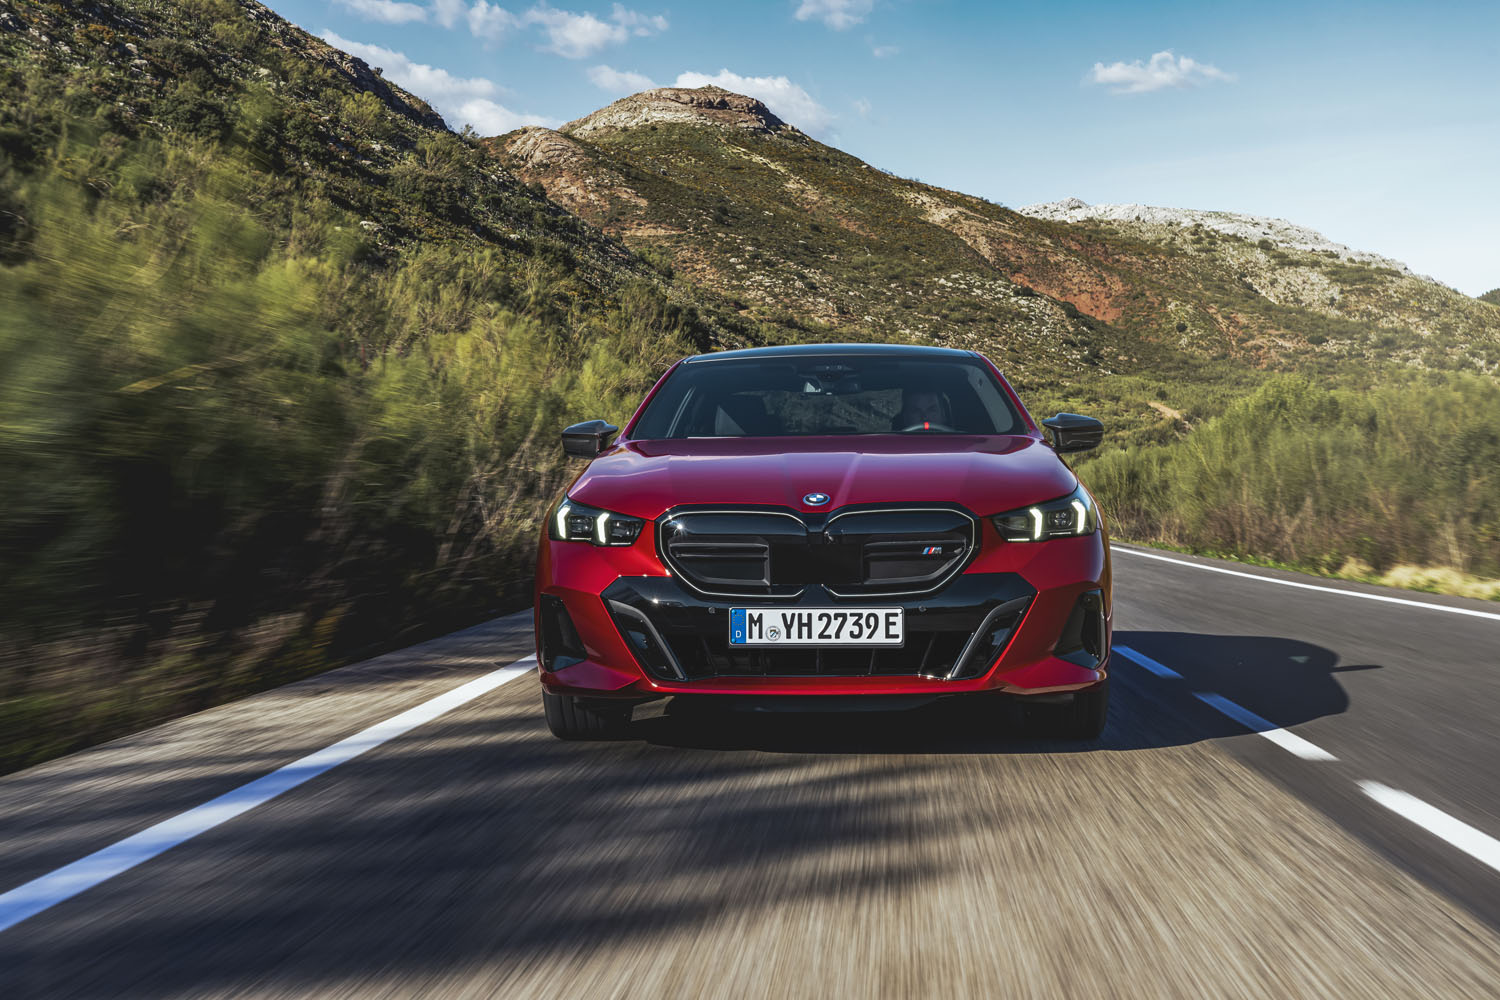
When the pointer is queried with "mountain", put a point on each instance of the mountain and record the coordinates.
(803, 234)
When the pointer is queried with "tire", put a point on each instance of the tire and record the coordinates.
(570, 719)
(1084, 717)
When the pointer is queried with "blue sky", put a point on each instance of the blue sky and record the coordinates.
(1377, 124)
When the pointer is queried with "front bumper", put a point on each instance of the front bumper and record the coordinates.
(1009, 623)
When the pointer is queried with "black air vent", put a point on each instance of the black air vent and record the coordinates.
(561, 646)
(1084, 637)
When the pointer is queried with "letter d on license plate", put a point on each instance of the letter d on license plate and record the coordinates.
(817, 626)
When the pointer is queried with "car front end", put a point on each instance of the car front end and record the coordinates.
(887, 569)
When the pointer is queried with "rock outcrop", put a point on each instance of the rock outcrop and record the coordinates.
(571, 172)
(680, 105)
(1247, 227)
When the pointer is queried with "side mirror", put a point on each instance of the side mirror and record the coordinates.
(588, 439)
(1072, 432)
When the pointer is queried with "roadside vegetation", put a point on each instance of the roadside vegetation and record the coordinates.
(1373, 483)
(281, 370)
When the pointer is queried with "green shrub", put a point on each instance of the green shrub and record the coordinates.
(1401, 473)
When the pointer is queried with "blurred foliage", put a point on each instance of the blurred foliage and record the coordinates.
(281, 371)
(1407, 472)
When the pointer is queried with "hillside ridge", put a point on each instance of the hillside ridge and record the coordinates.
(1254, 228)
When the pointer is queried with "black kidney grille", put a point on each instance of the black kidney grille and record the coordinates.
(867, 552)
(911, 562)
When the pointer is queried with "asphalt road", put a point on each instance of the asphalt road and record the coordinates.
(454, 849)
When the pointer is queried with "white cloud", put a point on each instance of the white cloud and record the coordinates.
(575, 36)
(387, 11)
(884, 51)
(837, 14)
(460, 100)
(862, 107)
(1164, 70)
(638, 23)
(448, 12)
(787, 99)
(490, 118)
(427, 82)
(618, 81)
(489, 21)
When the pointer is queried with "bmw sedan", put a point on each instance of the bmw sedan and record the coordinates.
(834, 526)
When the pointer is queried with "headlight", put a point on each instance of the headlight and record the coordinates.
(1065, 517)
(573, 522)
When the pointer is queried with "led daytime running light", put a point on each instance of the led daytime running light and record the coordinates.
(1044, 521)
(574, 522)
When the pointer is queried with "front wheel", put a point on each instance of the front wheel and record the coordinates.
(571, 718)
(1084, 717)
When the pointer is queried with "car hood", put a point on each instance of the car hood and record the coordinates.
(986, 474)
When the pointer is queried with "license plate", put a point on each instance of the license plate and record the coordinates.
(817, 626)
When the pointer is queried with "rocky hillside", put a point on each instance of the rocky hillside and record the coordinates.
(802, 233)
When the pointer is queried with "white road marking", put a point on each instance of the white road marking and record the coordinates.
(1461, 835)
(1290, 742)
(48, 890)
(1473, 842)
(1141, 659)
(1311, 586)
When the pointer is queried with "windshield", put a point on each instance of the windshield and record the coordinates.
(829, 394)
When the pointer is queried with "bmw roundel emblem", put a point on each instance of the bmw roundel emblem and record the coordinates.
(816, 499)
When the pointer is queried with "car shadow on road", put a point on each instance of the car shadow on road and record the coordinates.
(1284, 681)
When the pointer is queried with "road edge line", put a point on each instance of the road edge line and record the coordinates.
(1472, 612)
(46, 891)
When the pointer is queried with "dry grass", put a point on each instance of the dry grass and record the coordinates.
(1432, 579)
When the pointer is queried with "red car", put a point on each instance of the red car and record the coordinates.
(865, 525)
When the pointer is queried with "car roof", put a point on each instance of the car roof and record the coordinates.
(816, 350)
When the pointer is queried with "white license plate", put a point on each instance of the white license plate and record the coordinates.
(817, 626)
